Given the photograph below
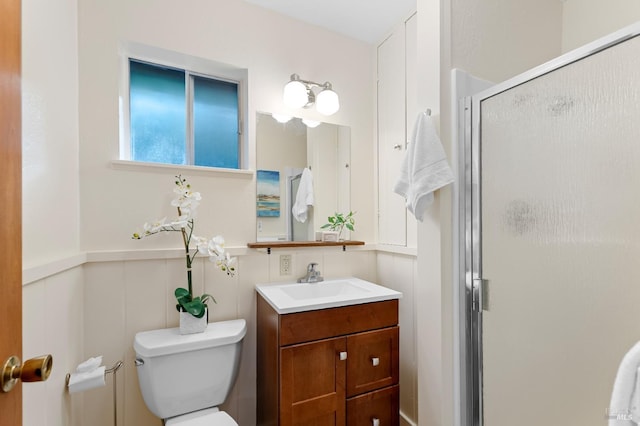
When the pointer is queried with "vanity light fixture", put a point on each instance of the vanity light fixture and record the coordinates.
(298, 93)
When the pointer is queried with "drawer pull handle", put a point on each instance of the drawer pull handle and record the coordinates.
(375, 421)
(375, 361)
(343, 356)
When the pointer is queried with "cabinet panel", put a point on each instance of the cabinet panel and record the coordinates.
(312, 387)
(391, 138)
(373, 360)
(380, 405)
(324, 323)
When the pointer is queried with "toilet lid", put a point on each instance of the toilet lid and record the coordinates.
(218, 418)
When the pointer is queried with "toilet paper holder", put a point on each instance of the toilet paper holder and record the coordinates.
(113, 370)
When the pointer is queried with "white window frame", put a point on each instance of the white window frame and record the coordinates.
(193, 66)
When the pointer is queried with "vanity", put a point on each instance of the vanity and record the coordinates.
(327, 354)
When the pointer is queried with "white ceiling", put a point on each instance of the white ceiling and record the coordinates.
(366, 20)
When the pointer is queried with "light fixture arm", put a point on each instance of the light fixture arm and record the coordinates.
(309, 83)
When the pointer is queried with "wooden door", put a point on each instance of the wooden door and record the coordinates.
(312, 386)
(10, 203)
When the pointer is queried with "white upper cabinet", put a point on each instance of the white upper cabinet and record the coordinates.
(396, 106)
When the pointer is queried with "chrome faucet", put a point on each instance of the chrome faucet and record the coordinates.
(313, 275)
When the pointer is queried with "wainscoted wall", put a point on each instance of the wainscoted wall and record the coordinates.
(399, 272)
(97, 307)
(52, 321)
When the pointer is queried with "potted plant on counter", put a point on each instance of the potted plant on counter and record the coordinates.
(338, 222)
(193, 309)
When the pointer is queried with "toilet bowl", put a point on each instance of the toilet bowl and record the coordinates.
(183, 378)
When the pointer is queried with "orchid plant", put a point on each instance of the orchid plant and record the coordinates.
(187, 202)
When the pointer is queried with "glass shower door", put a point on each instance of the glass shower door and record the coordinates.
(559, 240)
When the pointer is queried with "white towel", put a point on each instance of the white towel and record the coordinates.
(424, 168)
(304, 197)
(625, 397)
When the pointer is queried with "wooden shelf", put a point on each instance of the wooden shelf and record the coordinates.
(298, 244)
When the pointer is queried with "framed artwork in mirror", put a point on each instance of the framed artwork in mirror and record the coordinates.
(268, 193)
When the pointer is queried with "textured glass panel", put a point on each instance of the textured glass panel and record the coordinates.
(215, 112)
(560, 240)
(157, 108)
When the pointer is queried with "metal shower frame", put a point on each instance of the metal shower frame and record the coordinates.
(469, 220)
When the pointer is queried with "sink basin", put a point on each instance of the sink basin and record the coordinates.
(341, 288)
(298, 297)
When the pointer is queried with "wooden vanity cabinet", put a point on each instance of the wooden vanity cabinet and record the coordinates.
(336, 366)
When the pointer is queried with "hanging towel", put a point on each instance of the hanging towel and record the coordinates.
(625, 396)
(424, 168)
(635, 399)
(304, 197)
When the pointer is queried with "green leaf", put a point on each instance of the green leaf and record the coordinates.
(195, 308)
(182, 295)
(206, 297)
(349, 226)
(325, 226)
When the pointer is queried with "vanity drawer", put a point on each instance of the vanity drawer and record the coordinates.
(333, 322)
(373, 360)
(379, 408)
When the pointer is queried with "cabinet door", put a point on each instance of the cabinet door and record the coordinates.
(379, 408)
(312, 384)
(373, 360)
(391, 138)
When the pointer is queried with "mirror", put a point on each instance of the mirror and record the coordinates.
(284, 150)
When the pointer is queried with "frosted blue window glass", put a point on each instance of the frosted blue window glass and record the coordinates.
(215, 128)
(157, 113)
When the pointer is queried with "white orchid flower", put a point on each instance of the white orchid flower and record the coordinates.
(202, 243)
(187, 198)
(187, 203)
(153, 227)
(216, 246)
(224, 262)
(182, 222)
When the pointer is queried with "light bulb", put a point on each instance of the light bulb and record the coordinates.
(295, 94)
(281, 118)
(310, 123)
(327, 102)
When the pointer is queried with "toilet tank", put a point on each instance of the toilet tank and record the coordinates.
(179, 374)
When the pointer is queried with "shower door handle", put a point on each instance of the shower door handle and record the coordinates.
(480, 295)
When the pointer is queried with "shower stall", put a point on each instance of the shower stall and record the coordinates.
(550, 230)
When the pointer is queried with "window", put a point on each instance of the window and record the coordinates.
(178, 116)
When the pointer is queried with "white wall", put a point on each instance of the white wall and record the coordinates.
(270, 46)
(50, 131)
(52, 306)
(399, 272)
(52, 321)
(586, 20)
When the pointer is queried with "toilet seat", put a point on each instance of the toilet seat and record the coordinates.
(208, 417)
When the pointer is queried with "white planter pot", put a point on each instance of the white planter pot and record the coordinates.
(190, 324)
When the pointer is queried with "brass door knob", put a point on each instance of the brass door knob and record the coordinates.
(33, 370)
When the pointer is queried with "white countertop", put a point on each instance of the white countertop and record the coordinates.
(289, 297)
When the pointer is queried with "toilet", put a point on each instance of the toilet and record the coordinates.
(183, 378)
